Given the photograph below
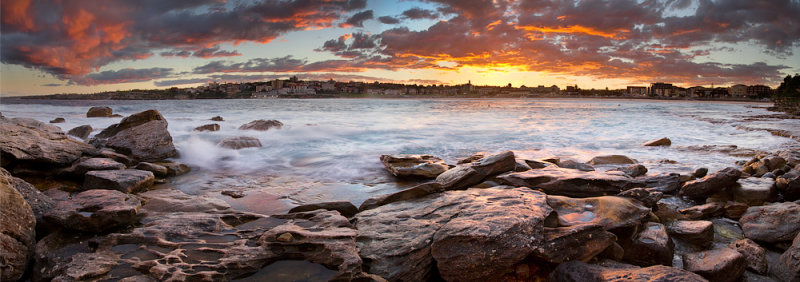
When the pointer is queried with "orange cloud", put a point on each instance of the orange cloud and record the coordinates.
(574, 29)
(17, 13)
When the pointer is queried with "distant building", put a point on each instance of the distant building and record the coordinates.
(761, 91)
(661, 89)
(738, 90)
(719, 92)
(637, 90)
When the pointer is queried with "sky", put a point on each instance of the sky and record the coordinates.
(87, 46)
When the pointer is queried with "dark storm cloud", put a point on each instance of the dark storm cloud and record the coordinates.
(358, 19)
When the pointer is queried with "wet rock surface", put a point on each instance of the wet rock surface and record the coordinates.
(576, 271)
(710, 184)
(31, 141)
(262, 125)
(157, 170)
(207, 127)
(755, 191)
(787, 267)
(472, 173)
(415, 192)
(580, 242)
(651, 246)
(96, 211)
(344, 208)
(635, 170)
(81, 132)
(608, 211)
(81, 167)
(17, 230)
(611, 159)
(240, 142)
(575, 165)
(143, 136)
(569, 182)
(772, 223)
(126, 180)
(696, 232)
(755, 255)
(425, 166)
(658, 142)
(721, 264)
(403, 240)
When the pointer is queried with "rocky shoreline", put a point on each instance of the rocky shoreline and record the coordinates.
(93, 215)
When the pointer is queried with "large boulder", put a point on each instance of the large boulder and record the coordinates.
(31, 141)
(755, 191)
(81, 132)
(576, 271)
(569, 182)
(787, 268)
(608, 211)
(755, 255)
(466, 175)
(772, 223)
(143, 136)
(580, 242)
(126, 180)
(17, 230)
(721, 264)
(476, 234)
(405, 165)
(611, 159)
(658, 142)
(99, 112)
(38, 201)
(96, 211)
(650, 247)
(713, 183)
(239, 142)
(262, 125)
(696, 232)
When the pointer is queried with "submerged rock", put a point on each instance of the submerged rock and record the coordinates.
(262, 125)
(658, 142)
(143, 136)
(81, 132)
(772, 223)
(713, 183)
(207, 127)
(576, 271)
(569, 182)
(240, 142)
(721, 264)
(608, 211)
(425, 166)
(611, 159)
(99, 112)
(17, 230)
(126, 180)
(469, 174)
(31, 141)
(475, 234)
(96, 211)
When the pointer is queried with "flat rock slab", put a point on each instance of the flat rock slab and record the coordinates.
(576, 271)
(344, 208)
(580, 242)
(126, 180)
(28, 140)
(415, 192)
(755, 191)
(611, 159)
(82, 167)
(608, 211)
(721, 264)
(475, 234)
(696, 232)
(658, 142)
(96, 210)
(468, 174)
(570, 182)
(405, 165)
(172, 200)
(772, 223)
(157, 170)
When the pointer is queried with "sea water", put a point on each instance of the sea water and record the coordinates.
(329, 149)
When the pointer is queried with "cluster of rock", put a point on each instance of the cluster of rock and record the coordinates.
(103, 175)
(241, 142)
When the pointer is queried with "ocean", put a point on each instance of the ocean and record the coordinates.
(328, 149)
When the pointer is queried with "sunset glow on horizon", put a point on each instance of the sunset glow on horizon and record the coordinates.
(53, 46)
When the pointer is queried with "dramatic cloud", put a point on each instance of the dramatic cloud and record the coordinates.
(388, 20)
(303, 76)
(123, 76)
(417, 13)
(70, 39)
(358, 19)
